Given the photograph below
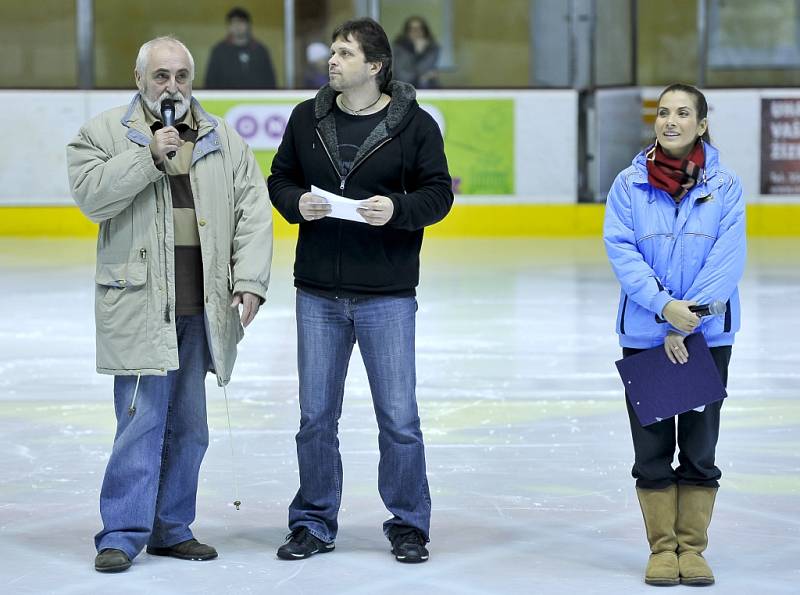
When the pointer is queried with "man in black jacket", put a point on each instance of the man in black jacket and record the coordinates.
(365, 137)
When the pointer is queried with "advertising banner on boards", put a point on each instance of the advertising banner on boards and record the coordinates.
(478, 136)
(780, 146)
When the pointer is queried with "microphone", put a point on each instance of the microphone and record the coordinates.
(168, 117)
(715, 308)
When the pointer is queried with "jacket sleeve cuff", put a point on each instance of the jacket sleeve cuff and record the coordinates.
(395, 209)
(149, 167)
(662, 299)
(254, 287)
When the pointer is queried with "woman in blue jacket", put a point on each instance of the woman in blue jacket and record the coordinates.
(675, 236)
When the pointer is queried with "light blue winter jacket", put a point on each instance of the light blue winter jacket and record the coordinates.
(661, 251)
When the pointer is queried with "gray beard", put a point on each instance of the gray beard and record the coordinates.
(181, 104)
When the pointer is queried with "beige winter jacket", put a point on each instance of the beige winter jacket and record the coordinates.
(116, 184)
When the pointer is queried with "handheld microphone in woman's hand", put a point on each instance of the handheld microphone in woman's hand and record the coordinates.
(715, 308)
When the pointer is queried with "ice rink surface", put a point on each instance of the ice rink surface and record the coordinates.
(528, 447)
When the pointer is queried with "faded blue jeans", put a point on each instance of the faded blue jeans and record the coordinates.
(327, 329)
(150, 486)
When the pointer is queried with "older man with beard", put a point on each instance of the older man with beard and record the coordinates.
(185, 238)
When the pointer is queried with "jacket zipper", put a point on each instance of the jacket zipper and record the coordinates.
(679, 246)
(343, 179)
(339, 225)
(166, 271)
(328, 153)
(342, 182)
(363, 159)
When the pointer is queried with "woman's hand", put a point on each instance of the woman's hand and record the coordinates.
(677, 313)
(675, 348)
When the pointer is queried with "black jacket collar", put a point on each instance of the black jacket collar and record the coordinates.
(403, 100)
(401, 110)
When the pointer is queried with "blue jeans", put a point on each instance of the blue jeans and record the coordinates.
(327, 329)
(150, 486)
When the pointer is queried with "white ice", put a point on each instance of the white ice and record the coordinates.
(528, 448)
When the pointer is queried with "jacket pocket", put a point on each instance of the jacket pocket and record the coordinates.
(639, 322)
(122, 316)
(622, 315)
(116, 279)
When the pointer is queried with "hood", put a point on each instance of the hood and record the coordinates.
(404, 98)
(401, 111)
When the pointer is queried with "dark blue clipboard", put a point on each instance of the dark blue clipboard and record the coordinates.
(657, 389)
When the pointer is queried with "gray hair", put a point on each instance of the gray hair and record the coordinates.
(144, 53)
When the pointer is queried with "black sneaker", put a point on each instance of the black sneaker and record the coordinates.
(111, 560)
(302, 544)
(408, 544)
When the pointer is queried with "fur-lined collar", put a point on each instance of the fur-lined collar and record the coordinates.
(402, 94)
(403, 99)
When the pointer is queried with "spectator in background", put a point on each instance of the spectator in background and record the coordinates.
(239, 61)
(316, 71)
(416, 55)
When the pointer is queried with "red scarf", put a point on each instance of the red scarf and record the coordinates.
(675, 176)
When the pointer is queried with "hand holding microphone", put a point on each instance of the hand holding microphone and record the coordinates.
(166, 140)
(168, 117)
(715, 308)
(685, 316)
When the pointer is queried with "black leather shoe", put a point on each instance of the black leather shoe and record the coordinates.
(185, 550)
(111, 560)
(302, 544)
(408, 544)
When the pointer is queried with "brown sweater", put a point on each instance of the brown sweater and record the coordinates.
(188, 258)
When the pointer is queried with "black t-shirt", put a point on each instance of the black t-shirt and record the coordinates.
(352, 131)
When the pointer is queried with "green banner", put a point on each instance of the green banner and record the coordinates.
(478, 136)
(479, 143)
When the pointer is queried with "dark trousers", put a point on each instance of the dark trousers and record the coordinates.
(654, 445)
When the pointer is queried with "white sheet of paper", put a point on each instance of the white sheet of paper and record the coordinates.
(341, 206)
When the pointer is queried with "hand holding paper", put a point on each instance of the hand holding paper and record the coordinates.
(377, 210)
(313, 207)
(340, 206)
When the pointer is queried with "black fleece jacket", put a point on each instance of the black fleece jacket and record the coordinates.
(403, 158)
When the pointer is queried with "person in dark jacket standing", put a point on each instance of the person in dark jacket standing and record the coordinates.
(239, 61)
(365, 137)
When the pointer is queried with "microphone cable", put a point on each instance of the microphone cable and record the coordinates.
(237, 502)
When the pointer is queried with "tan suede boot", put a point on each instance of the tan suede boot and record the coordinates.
(660, 510)
(695, 505)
